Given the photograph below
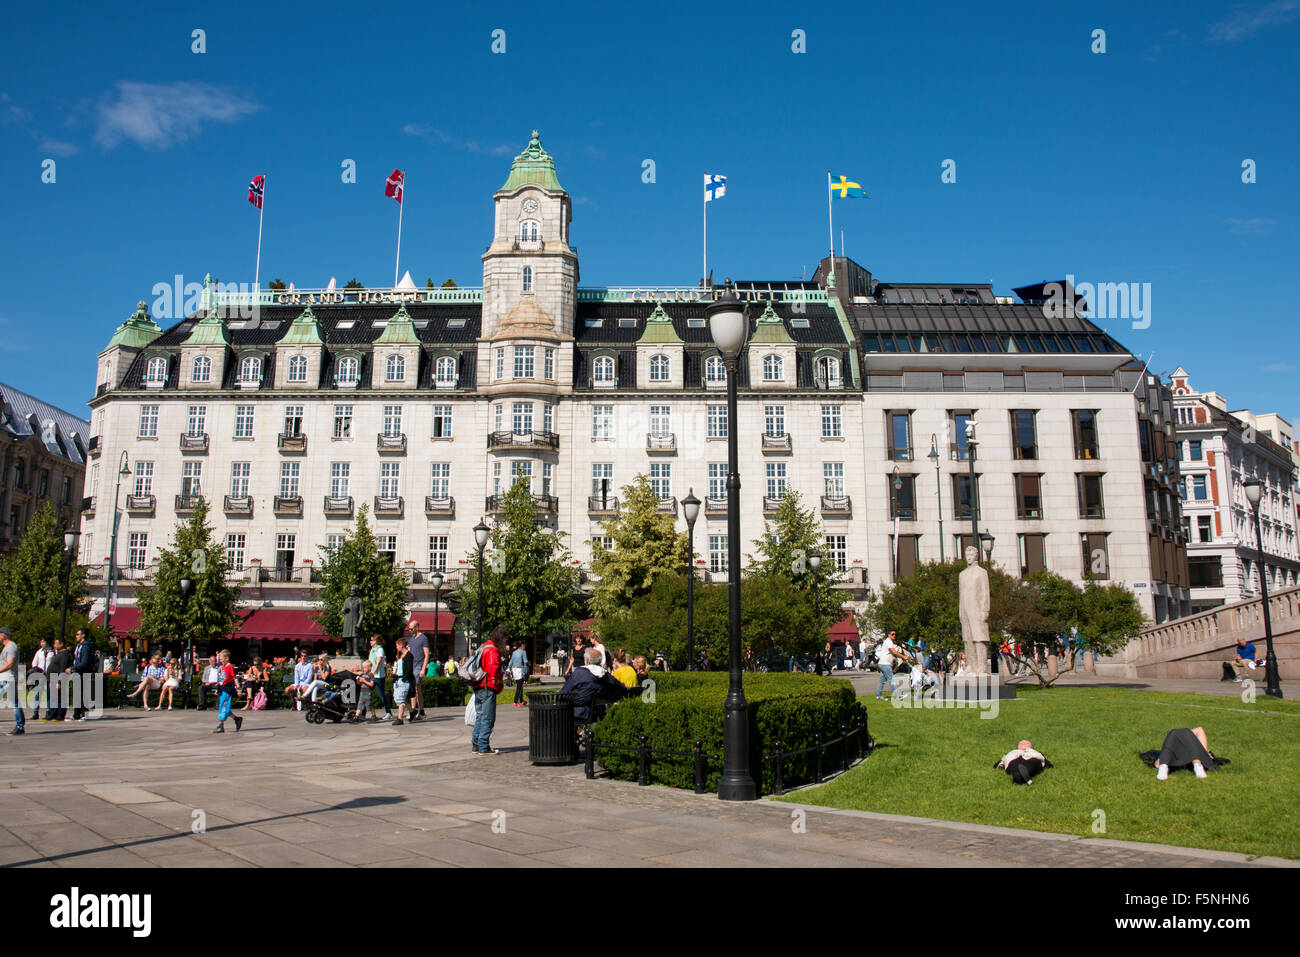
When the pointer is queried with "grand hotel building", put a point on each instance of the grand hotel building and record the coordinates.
(426, 404)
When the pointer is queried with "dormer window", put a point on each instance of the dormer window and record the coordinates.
(773, 368)
(395, 369)
(155, 371)
(659, 367)
(603, 371)
(528, 279)
(202, 371)
(828, 372)
(250, 369)
(529, 234)
(349, 371)
(715, 370)
(298, 369)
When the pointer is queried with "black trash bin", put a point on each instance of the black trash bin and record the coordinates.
(552, 734)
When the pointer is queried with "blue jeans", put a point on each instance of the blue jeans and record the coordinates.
(485, 716)
(886, 678)
(223, 706)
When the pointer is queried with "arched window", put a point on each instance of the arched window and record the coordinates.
(202, 369)
(529, 230)
(349, 370)
(395, 369)
(603, 369)
(828, 372)
(715, 370)
(298, 369)
(156, 370)
(528, 279)
(773, 369)
(446, 371)
(659, 368)
(250, 369)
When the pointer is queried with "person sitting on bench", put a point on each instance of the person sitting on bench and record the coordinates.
(589, 682)
(1243, 661)
(1023, 763)
(211, 682)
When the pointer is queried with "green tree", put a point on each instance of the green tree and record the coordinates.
(646, 545)
(208, 614)
(449, 284)
(354, 283)
(790, 536)
(277, 284)
(356, 561)
(1109, 616)
(32, 575)
(530, 581)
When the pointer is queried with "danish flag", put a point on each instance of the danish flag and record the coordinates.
(255, 190)
(393, 187)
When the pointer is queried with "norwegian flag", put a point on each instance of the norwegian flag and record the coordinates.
(393, 187)
(255, 189)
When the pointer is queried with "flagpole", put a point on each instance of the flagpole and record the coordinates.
(401, 202)
(261, 208)
(705, 195)
(830, 223)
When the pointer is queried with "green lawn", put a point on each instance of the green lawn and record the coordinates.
(939, 763)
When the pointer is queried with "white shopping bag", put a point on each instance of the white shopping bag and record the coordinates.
(470, 713)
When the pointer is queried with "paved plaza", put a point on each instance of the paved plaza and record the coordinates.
(131, 789)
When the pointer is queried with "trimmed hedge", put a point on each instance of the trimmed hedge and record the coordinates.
(688, 707)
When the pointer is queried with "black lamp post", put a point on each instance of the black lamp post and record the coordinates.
(971, 499)
(729, 326)
(938, 486)
(436, 578)
(814, 565)
(124, 471)
(188, 657)
(69, 549)
(1254, 492)
(691, 511)
(481, 532)
(986, 540)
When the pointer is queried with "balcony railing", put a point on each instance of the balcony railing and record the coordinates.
(389, 505)
(771, 504)
(434, 505)
(141, 504)
(138, 573)
(446, 385)
(451, 577)
(191, 442)
(777, 444)
(287, 505)
(94, 447)
(828, 384)
(607, 504)
(290, 573)
(338, 505)
(836, 505)
(715, 504)
(88, 504)
(498, 441)
(602, 383)
(391, 443)
(661, 442)
(542, 503)
(186, 503)
(667, 505)
(295, 442)
(239, 505)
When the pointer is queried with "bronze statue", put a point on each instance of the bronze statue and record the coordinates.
(354, 610)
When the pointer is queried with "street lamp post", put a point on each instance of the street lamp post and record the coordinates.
(729, 326)
(69, 548)
(691, 511)
(436, 578)
(986, 540)
(188, 658)
(480, 540)
(124, 470)
(814, 565)
(971, 498)
(1254, 491)
(938, 486)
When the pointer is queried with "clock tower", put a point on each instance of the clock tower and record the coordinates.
(530, 258)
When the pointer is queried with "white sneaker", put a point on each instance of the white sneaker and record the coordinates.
(1200, 770)
(169, 707)
(1162, 773)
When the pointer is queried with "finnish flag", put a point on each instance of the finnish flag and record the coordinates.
(715, 187)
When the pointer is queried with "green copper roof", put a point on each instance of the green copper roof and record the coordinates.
(303, 331)
(138, 330)
(533, 167)
(659, 328)
(400, 330)
(770, 328)
(209, 331)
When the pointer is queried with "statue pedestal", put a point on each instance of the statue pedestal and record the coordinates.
(343, 663)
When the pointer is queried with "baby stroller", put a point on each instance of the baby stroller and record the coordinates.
(336, 704)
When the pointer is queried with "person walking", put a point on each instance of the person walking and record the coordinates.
(379, 667)
(83, 666)
(40, 665)
(226, 694)
(419, 645)
(519, 672)
(56, 687)
(9, 678)
(485, 694)
(402, 678)
(885, 652)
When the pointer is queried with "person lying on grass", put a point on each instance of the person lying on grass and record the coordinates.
(1184, 748)
(1023, 763)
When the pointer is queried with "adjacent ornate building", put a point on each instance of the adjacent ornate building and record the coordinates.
(42, 459)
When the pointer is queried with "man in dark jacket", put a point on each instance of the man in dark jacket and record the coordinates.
(587, 683)
(60, 664)
(83, 666)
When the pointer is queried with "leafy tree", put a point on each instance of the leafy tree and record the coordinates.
(354, 283)
(1109, 616)
(646, 545)
(209, 612)
(277, 284)
(789, 538)
(530, 582)
(32, 575)
(428, 283)
(449, 284)
(355, 561)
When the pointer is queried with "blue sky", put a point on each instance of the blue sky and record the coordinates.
(1115, 167)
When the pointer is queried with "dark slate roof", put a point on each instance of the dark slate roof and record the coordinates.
(823, 325)
(984, 319)
(19, 406)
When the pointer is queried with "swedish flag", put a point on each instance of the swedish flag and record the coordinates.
(847, 189)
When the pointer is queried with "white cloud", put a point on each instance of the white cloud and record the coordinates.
(430, 133)
(1259, 226)
(161, 115)
(1244, 24)
(1279, 367)
(58, 147)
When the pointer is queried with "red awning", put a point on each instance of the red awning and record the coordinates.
(845, 629)
(280, 624)
(583, 627)
(125, 622)
(424, 620)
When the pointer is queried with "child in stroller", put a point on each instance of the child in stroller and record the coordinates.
(336, 703)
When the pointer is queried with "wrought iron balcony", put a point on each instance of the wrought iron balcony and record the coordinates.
(836, 505)
(447, 385)
(434, 505)
(663, 442)
(828, 384)
(287, 505)
(542, 503)
(771, 504)
(88, 504)
(667, 505)
(194, 442)
(296, 442)
(239, 505)
(186, 503)
(141, 504)
(389, 505)
(338, 505)
(779, 444)
(391, 443)
(716, 505)
(606, 505)
(513, 441)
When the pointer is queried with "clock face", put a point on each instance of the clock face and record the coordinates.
(530, 206)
